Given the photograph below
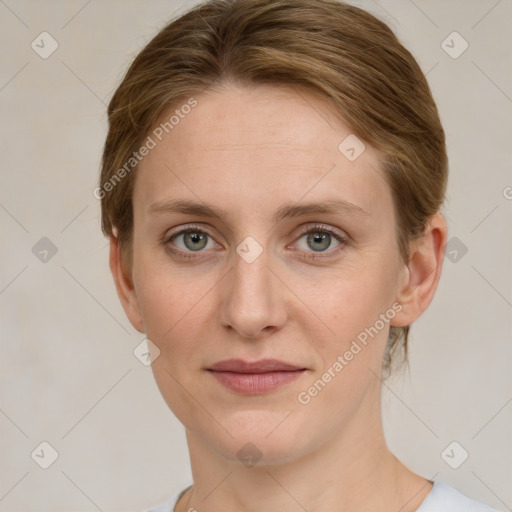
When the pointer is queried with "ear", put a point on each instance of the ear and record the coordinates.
(421, 275)
(124, 286)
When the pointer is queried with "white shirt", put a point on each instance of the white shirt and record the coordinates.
(442, 498)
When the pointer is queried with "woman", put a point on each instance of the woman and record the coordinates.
(271, 186)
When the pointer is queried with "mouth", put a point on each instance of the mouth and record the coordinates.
(257, 377)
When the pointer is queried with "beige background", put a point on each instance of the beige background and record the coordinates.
(69, 376)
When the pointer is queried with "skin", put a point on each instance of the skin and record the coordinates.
(249, 151)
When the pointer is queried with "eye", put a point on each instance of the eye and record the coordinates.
(318, 239)
(191, 239)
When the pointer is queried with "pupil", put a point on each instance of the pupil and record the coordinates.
(318, 238)
(195, 238)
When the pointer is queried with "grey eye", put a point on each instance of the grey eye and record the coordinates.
(191, 240)
(319, 241)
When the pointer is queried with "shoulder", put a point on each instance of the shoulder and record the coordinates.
(444, 498)
(168, 506)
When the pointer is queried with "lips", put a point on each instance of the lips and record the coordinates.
(255, 377)
(261, 366)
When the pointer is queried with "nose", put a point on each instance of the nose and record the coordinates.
(252, 303)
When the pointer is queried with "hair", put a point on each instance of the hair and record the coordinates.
(336, 51)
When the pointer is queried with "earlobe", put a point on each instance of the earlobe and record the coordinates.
(124, 286)
(422, 273)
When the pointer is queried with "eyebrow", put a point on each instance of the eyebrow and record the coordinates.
(289, 210)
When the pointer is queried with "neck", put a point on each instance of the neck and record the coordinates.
(354, 470)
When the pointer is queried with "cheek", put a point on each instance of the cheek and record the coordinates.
(177, 310)
(353, 299)
(174, 310)
(164, 296)
(358, 308)
(169, 308)
(350, 359)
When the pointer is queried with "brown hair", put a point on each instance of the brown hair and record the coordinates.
(337, 51)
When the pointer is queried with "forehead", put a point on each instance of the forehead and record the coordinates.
(246, 142)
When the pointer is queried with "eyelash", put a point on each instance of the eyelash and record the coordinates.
(324, 229)
(309, 255)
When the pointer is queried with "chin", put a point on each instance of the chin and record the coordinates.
(259, 438)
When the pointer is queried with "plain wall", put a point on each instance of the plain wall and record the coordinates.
(69, 376)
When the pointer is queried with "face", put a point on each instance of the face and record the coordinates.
(256, 275)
